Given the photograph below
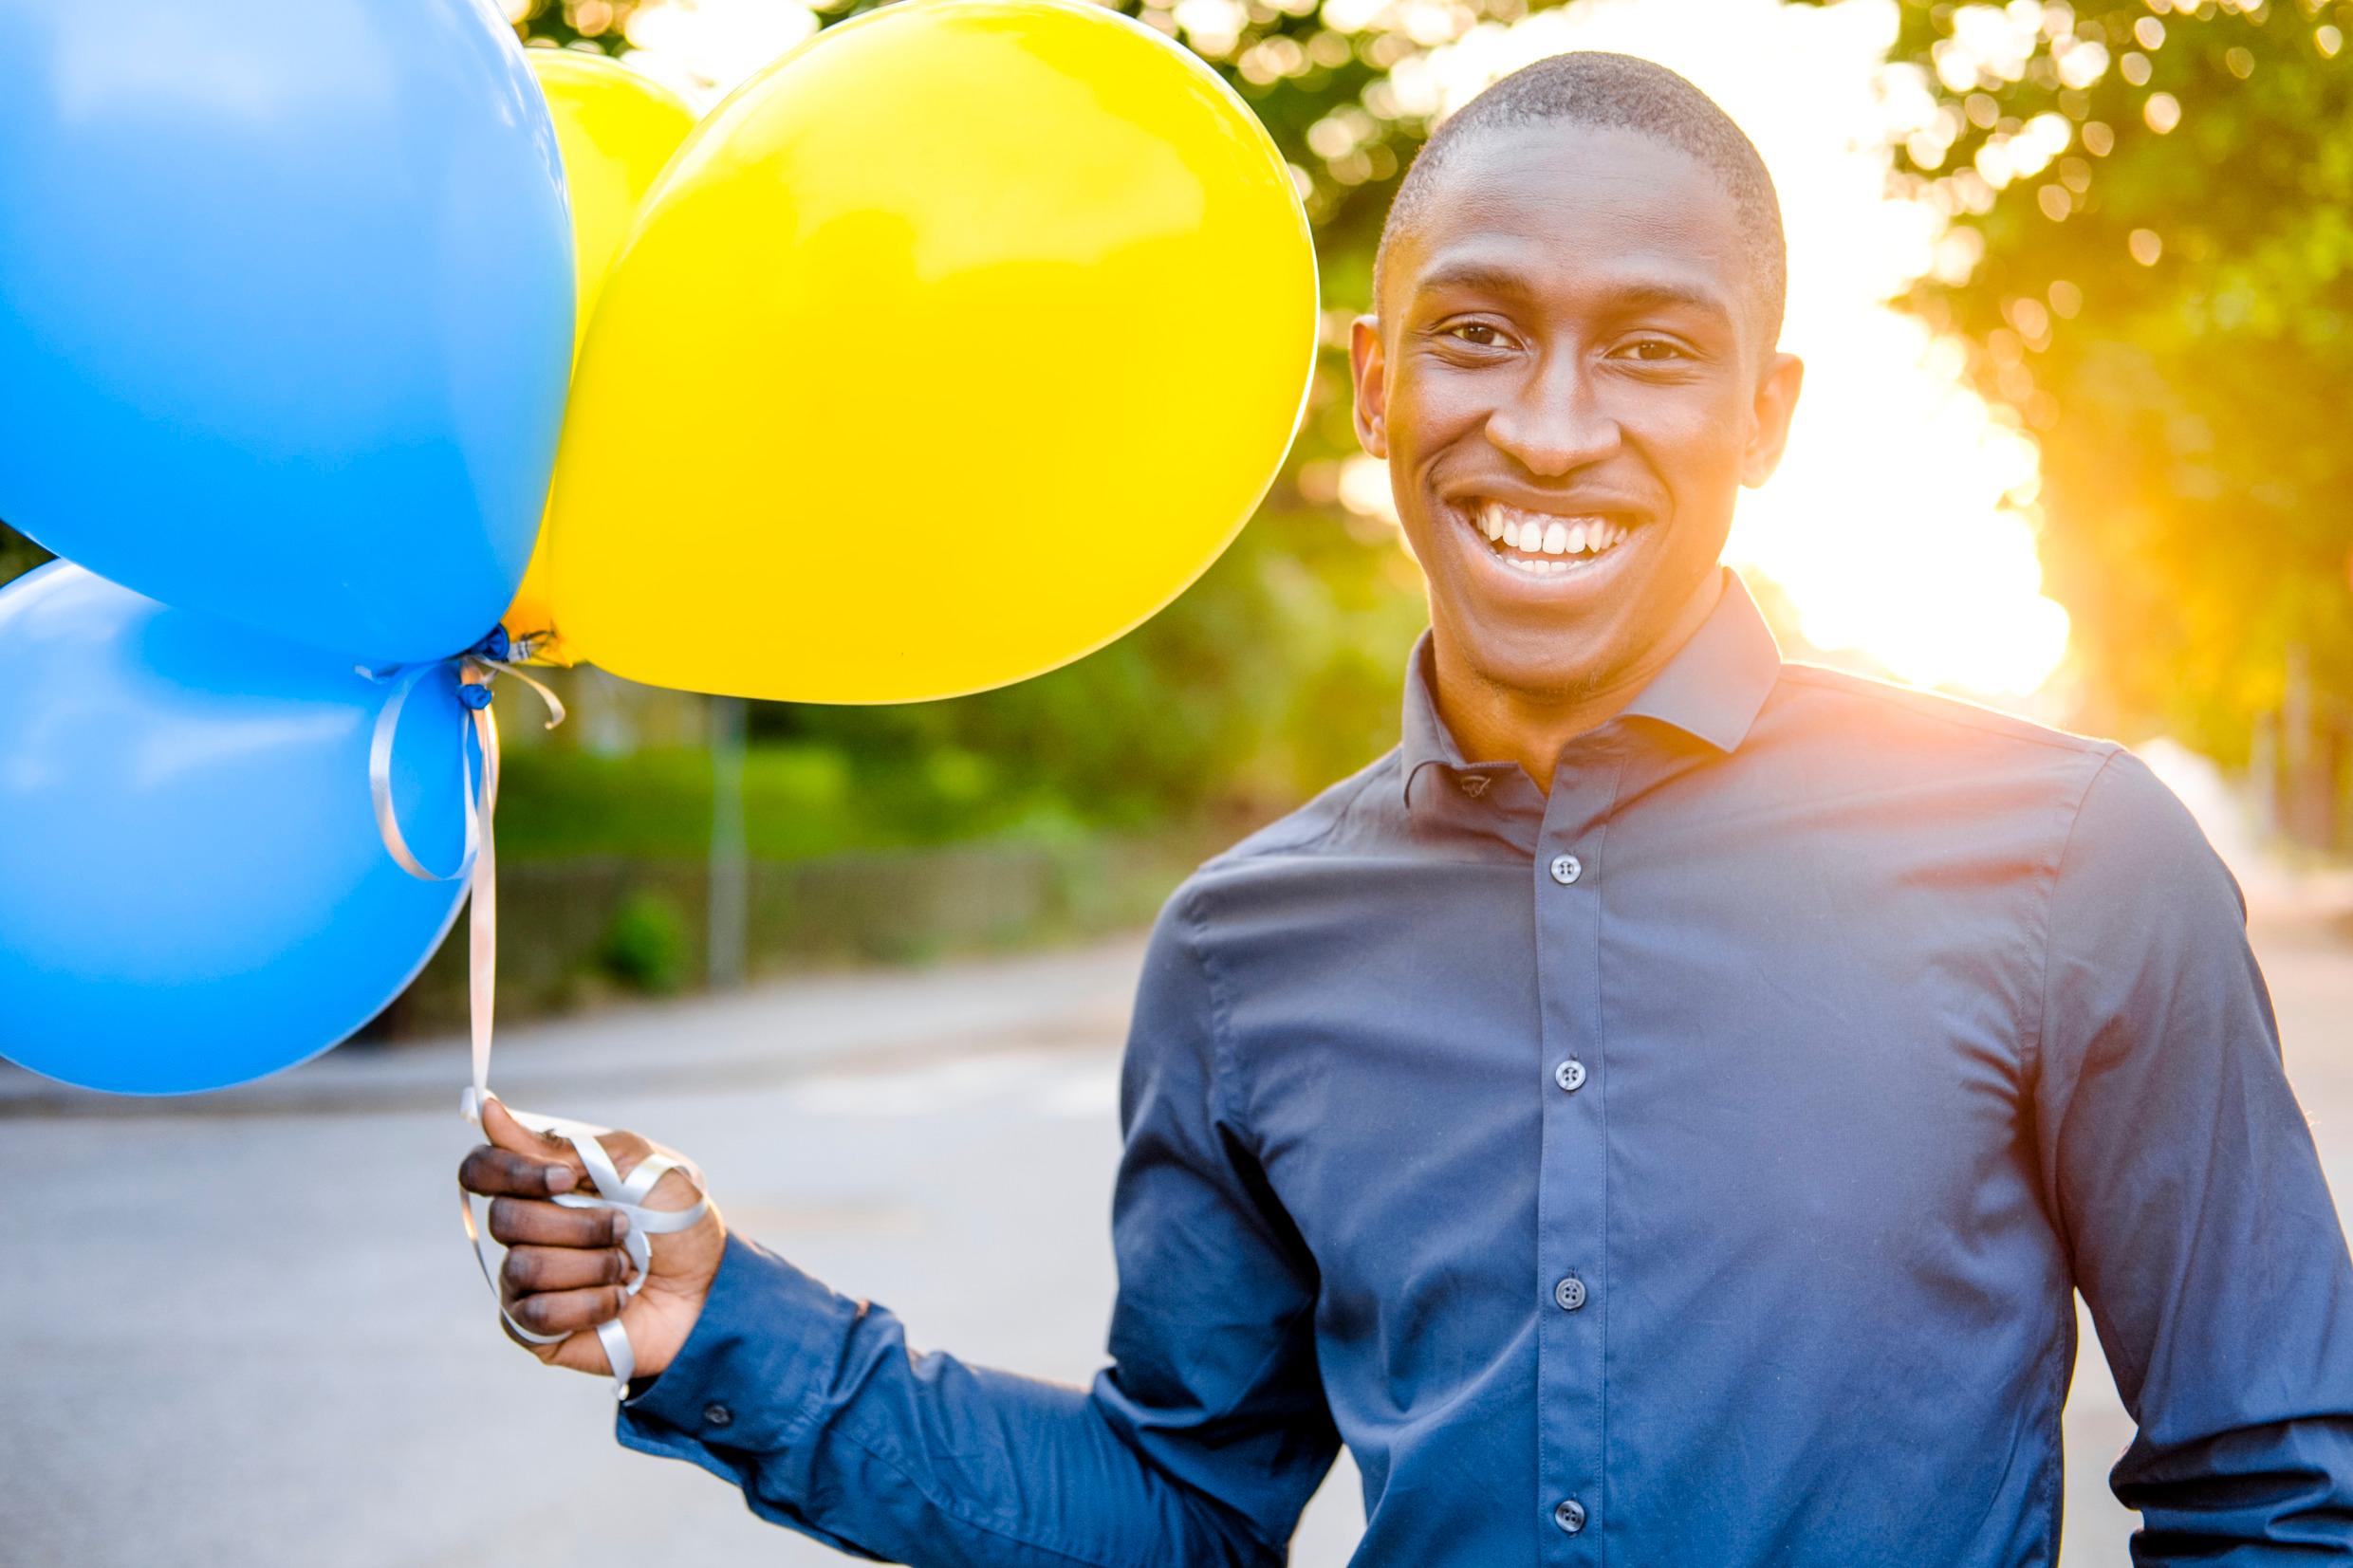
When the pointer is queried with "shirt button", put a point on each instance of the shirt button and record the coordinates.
(1567, 869)
(1570, 1074)
(1569, 1515)
(1569, 1293)
(717, 1415)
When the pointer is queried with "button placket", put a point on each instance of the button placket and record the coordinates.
(1572, 1209)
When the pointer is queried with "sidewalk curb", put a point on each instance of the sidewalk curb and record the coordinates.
(778, 1031)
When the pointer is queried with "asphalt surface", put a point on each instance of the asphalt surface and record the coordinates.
(247, 1332)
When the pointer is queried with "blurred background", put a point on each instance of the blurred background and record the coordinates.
(2075, 287)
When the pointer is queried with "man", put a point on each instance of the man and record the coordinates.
(1657, 1115)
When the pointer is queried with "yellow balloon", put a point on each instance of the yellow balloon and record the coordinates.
(615, 129)
(950, 348)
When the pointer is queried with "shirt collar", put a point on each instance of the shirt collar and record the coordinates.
(1711, 689)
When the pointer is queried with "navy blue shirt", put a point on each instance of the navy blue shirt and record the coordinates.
(1692, 1167)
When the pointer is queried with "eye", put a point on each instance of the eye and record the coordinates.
(1477, 334)
(1653, 351)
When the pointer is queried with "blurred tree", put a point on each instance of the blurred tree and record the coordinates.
(2152, 262)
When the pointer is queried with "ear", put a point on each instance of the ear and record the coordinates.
(1769, 418)
(1368, 366)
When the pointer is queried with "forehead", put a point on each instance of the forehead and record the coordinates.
(1572, 213)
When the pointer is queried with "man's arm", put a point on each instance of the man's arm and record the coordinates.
(2184, 1180)
(1200, 1446)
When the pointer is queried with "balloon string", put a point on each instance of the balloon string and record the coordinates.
(477, 670)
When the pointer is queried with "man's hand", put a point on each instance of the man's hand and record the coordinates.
(565, 1270)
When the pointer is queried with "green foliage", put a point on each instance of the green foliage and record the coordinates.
(802, 799)
(18, 554)
(1274, 673)
(645, 946)
(2170, 303)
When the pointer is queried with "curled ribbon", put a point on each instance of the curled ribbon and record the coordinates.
(477, 668)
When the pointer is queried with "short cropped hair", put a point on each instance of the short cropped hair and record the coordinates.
(1620, 92)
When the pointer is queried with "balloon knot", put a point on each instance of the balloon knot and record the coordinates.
(497, 647)
(476, 696)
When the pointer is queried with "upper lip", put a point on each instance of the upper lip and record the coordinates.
(1570, 504)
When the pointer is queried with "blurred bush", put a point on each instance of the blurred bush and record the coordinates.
(1275, 673)
(573, 932)
(18, 554)
(646, 944)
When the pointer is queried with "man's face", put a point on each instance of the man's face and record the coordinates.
(1568, 379)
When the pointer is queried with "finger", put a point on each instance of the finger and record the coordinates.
(570, 1311)
(549, 1352)
(500, 1127)
(519, 1222)
(531, 1269)
(516, 1334)
(494, 1173)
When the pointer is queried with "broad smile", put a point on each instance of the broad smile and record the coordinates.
(1545, 548)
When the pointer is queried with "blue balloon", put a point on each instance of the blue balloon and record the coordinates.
(192, 889)
(285, 308)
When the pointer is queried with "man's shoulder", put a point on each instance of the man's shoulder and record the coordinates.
(1882, 713)
(1329, 819)
(2092, 800)
(1943, 753)
(1324, 820)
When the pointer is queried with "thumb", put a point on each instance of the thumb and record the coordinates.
(500, 1127)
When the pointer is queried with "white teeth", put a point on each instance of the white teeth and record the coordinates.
(1536, 536)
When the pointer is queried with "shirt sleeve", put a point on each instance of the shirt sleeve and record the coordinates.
(813, 1404)
(2186, 1186)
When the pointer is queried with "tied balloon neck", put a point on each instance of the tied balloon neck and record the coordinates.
(478, 667)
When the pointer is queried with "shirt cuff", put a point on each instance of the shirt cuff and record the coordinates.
(753, 1372)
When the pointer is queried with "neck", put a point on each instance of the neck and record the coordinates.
(1494, 722)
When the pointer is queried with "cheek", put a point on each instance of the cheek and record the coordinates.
(1431, 410)
(1695, 440)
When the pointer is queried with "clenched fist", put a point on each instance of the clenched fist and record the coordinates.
(565, 1272)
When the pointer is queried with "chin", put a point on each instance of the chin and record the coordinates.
(1563, 665)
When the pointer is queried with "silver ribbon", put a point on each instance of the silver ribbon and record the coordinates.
(624, 1194)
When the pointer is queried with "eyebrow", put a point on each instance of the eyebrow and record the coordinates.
(1504, 280)
(1470, 274)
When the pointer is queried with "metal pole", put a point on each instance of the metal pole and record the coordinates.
(729, 868)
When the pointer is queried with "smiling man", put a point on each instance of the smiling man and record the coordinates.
(1661, 1113)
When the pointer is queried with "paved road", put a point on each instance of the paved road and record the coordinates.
(246, 1332)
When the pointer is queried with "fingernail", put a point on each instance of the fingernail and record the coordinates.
(559, 1178)
(620, 1226)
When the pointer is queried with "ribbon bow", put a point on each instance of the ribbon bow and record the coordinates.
(477, 668)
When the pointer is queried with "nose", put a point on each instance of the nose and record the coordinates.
(1557, 423)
